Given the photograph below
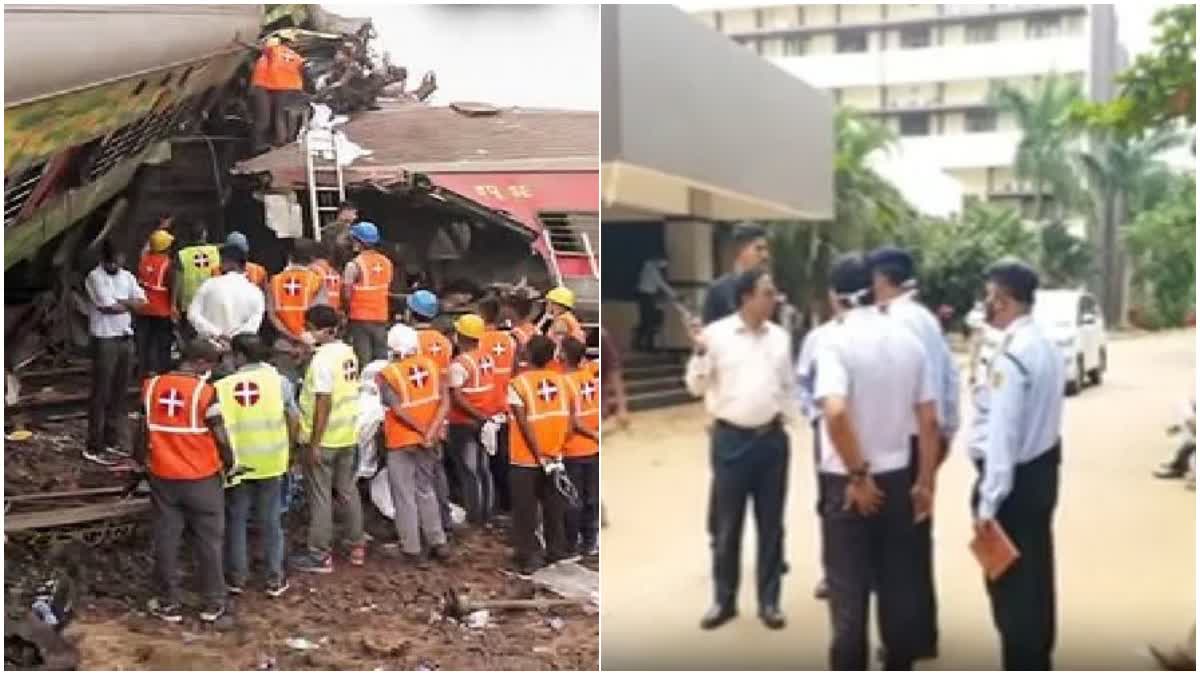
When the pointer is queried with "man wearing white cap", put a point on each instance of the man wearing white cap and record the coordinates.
(416, 397)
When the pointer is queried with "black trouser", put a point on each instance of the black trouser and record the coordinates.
(1179, 463)
(536, 500)
(499, 466)
(748, 463)
(198, 506)
(583, 522)
(927, 624)
(112, 366)
(369, 340)
(864, 554)
(1023, 600)
(260, 106)
(154, 337)
(648, 322)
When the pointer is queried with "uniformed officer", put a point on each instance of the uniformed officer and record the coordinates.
(1016, 445)
(895, 287)
(871, 383)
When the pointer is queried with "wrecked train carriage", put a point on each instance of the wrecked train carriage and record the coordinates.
(463, 192)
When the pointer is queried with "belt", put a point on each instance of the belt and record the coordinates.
(775, 423)
(116, 338)
(1053, 454)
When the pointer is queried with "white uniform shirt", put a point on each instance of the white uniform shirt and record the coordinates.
(943, 373)
(227, 305)
(806, 367)
(104, 290)
(1018, 410)
(651, 281)
(877, 365)
(745, 376)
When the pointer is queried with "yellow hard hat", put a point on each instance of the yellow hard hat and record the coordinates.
(562, 295)
(470, 325)
(272, 41)
(160, 240)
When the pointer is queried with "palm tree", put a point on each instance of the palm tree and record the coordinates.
(1043, 157)
(1125, 177)
(869, 209)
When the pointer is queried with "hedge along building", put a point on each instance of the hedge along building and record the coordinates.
(697, 133)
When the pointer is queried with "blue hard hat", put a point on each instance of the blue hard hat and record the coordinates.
(424, 303)
(239, 240)
(897, 258)
(365, 232)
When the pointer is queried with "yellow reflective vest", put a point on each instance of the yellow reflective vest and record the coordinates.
(197, 264)
(252, 407)
(339, 359)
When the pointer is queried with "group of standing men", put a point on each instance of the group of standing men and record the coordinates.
(880, 389)
(249, 400)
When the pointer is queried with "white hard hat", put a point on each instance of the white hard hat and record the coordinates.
(402, 340)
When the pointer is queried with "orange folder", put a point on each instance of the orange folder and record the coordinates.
(994, 551)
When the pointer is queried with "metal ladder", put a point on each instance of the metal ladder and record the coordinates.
(593, 266)
(322, 158)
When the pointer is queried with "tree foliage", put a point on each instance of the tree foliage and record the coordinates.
(1163, 241)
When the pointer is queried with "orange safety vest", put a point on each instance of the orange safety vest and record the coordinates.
(256, 274)
(417, 383)
(152, 276)
(294, 290)
(332, 280)
(567, 323)
(544, 396)
(502, 348)
(261, 75)
(593, 367)
(479, 389)
(369, 295)
(181, 445)
(283, 70)
(437, 347)
(585, 403)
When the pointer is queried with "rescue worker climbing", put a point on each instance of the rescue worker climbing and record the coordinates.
(365, 288)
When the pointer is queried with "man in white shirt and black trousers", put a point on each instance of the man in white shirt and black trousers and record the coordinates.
(742, 367)
(872, 383)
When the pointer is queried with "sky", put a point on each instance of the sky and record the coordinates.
(533, 56)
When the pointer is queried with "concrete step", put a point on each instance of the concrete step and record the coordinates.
(659, 399)
(646, 385)
(655, 372)
(634, 360)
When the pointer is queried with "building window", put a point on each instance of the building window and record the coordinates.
(914, 124)
(915, 38)
(981, 31)
(795, 46)
(1043, 27)
(981, 121)
(852, 41)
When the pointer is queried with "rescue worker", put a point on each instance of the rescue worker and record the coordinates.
(329, 275)
(518, 310)
(502, 347)
(185, 453)
(197, 263)
(155, 326)
(581, 454)
(894, 286)
(113, 295)
(750, 250)
(227, 305)
(537, 400)
(750, 400)
(872, 382)
(292, 292)
(328, 414)
(335, 237)
(277, 83)
(255, 273)
(560, 304)
(365, 288)
(415, 395)
(423, 308)
(472, 387)
(1016, 445)
(260, 417)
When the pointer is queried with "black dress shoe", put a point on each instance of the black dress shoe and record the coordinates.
(717, 616)
(821, 592)
(772, 618)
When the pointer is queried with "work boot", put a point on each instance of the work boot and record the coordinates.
(1168, 472)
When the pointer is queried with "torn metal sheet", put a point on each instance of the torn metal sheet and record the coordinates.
(570, 580)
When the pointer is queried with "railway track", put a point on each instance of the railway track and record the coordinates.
(92, 515)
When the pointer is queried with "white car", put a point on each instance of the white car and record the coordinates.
(1072, 319)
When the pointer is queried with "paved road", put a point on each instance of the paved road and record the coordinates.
(1126, 541)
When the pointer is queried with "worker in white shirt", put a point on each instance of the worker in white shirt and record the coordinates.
(227, 305)
(872, 383)
(741, 365)
(651, 287)
(894, 284)
(113, 294)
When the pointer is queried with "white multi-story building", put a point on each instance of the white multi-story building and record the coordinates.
(927, 70)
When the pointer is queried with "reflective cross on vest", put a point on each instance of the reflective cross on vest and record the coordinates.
(377, 268)
(246, 393)
(350, 370)
(331, 281)
(201, 259)
(486, 365)
(435, 348)
(292, 286)
(546, 390)
(588, 389)
(498, 349)
(172, 401)
(417, 376)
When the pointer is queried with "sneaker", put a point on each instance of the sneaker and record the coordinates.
(235, 587)
(171, 612)
(277, 587)
(118, 451)
(99, 457)
(358, 554)
(212, 612)
(316, 563)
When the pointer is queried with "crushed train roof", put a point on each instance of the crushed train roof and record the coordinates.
(409, 137)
